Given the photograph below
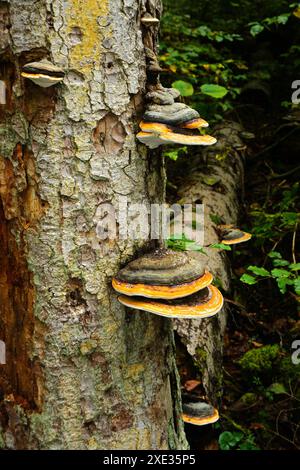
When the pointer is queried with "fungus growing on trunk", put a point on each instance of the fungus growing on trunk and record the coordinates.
(168, 122)
(163, 274)
(231, 236)
(199, 413)
(43, 73)
(154, 140)
(149, 20)
(204, 303)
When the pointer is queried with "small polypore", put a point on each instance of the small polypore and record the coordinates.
(203, 304)
(232, 236)
(199, 413)
(149, 20)
(43, 73)
(163, 274)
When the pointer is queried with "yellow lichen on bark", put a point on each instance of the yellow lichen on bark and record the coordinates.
(86, 17)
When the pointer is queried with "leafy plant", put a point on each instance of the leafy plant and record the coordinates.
(237, 441)
(181, 243)
(284, 273)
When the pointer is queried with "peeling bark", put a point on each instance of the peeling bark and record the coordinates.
(223, 162)
(81, 372)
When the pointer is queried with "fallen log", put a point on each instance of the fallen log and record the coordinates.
(214, 178)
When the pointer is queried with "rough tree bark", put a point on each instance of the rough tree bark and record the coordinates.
(80, 372)
(222, 164)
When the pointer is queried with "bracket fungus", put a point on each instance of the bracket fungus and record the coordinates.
(203, 304)
(199, 413)
(43, 73)
(166, 121)
(149, 20)
(163, 274)
(231, 235)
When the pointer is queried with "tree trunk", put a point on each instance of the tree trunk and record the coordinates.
(80, 372)
(214, 178)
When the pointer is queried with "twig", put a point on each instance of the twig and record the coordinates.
(287, 173)
(294, 244)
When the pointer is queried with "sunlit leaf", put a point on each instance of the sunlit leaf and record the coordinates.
(248, 279)
(215, 91)
(185, 88)
(256, 28)
(258, 271)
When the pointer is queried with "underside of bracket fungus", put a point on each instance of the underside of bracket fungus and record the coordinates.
(149, 20)
(166, 121)
(204, 303)
(199, 413)
(43, 73)
(231, 236)
(162, 274)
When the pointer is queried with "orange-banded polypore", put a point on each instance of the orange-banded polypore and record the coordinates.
(203, 304)
(199, 413)
(43, 73)
(231, 235)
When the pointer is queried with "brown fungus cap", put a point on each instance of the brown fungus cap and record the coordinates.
(172, 114)
(203, 304)
(232, 236)
(163, 274)
(199, 413)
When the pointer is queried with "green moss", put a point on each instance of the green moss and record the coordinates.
(200, 360)
(260, 361)
(249, 398)
(289, 372)
(2, 443)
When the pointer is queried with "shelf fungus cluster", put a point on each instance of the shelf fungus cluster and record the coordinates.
(199, 413)
(167, 121)
(43, 73)
(169, 283)
(231, 235)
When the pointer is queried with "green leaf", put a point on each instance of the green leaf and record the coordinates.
(274, 254)
(280, 262)
(248, 279)
(228, 440)
(221, 246)
(256, 28)
(280, 273)
(297, 285)
(258, 271)
(216, 91)
(282, 282)
(172, 154)
(294, 266)
(283, 19)
(277, 388)
(185, 88)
